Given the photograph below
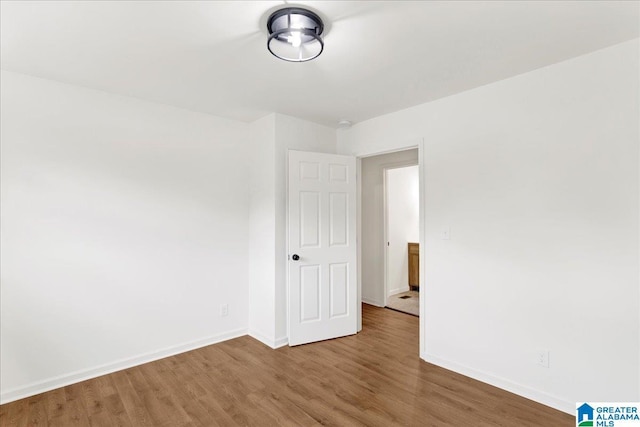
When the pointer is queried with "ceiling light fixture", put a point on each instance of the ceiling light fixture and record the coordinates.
(295, 34)
(344, 124)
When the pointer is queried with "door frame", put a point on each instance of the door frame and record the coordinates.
(419, 144)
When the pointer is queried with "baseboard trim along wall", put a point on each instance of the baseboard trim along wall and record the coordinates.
(372, 302)
(281, 342)
(277, 343)
(86, 374)
(520, 390)
(398, 291)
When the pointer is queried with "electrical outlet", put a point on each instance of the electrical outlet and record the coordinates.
(542, 358)
(446, 233)
(224, 310)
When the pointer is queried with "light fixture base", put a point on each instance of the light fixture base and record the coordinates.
(344, 124)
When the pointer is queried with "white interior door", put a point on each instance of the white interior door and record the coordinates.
(322, 247)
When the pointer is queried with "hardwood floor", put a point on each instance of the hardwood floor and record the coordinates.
(374, 378)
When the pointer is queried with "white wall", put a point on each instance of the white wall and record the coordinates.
(124, 227)
(371, 229)
(403, 226)
(262, 233)
(537, 176)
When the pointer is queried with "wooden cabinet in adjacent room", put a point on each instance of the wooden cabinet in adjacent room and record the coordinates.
(414, 265)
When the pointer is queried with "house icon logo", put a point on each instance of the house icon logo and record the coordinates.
(585, 415)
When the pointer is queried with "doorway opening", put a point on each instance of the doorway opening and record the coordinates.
(402, 237)
(372, 234)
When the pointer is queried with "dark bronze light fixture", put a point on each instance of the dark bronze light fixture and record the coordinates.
(295, 34)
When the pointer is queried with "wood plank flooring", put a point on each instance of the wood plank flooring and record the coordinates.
(374, 378)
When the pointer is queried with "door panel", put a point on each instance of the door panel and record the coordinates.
(309, 219)
(322, 229)
(339, 292)
(309, 293)
(338, 219)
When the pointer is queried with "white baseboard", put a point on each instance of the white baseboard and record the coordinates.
(519, 389)
(281, 342)
(269, 342)
(108, 368)
(398, 291)
(372, 302)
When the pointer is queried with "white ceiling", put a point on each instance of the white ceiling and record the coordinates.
(379, 57)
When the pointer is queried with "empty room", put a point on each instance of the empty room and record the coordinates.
(203, 223)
